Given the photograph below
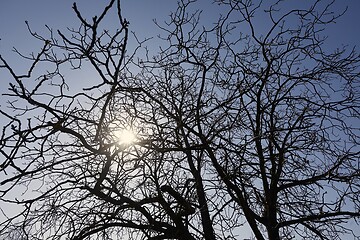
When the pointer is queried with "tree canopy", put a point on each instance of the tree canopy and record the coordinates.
(226, 129)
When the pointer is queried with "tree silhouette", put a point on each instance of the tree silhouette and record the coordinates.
(235, 128)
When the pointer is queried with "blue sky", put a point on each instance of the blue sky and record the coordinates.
(59, 15)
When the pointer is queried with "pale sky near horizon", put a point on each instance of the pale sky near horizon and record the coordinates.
(59, 15)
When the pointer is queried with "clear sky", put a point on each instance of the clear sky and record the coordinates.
(58, 14)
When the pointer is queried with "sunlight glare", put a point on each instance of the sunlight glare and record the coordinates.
(126, 137)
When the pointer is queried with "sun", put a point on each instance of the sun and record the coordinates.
(126, 137)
